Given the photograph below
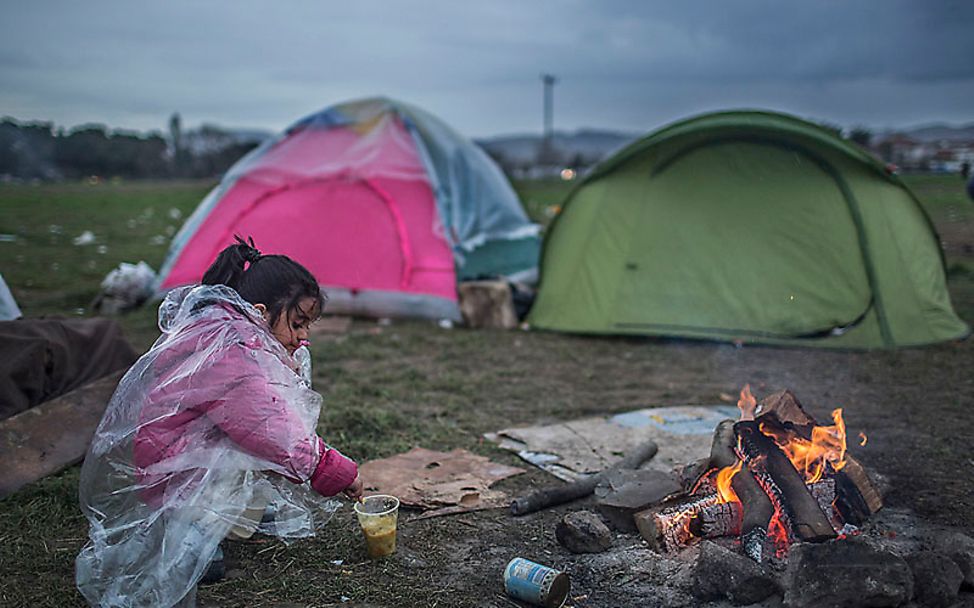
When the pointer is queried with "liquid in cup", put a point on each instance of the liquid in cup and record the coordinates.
(378, 515)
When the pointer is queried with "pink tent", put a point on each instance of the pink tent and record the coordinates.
(352, 200)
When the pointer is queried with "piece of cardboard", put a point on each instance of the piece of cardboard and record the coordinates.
(574, 448)
(455, 481)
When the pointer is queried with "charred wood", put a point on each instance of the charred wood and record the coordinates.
(718, 520)
(783, 484)
(556, 495)
(856, 496)
(666, 527)
(756, 506)
(784, 409)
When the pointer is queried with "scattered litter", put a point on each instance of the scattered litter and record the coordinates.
(571, 449)
(126, 287)
(536, 584)
(55, 229)
(175, 213)
(158, 240)
(345, 598)
(102, 249)
(8, 306)
(449, 482)
(337, 562)
(445, 324)
(8, 238)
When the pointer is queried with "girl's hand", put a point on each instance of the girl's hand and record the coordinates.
(355, 489)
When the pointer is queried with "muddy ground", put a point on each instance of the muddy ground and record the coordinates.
(915, 406)
(391, 387)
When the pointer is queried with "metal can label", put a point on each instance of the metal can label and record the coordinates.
(534, 583)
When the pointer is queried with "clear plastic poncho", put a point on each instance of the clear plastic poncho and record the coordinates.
(213, 421)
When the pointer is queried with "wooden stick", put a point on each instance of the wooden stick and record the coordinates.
(723, 519)
(757, 508)
(665, 527)
(856, 496)
(807, 520)
(556, 495)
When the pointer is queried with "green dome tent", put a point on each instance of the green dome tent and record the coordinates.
(751, 226)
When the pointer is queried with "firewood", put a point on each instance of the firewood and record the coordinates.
(718, 520)
(823, 491)
(806, 519)
(556, 495)
(785, 410)
(665, 527)
(856, 496)
(756, 506)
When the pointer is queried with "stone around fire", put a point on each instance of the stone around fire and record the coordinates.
(936, 578)
(845, 573)
(721, 573)
(583, 532)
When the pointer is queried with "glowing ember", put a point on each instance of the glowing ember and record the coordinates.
(747, 403)
(862, 439)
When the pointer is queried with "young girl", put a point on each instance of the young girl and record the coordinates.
(210, 428)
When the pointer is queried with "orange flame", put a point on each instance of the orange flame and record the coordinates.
(747, 403)
(828, 446)
(724, 477)
(863, 439)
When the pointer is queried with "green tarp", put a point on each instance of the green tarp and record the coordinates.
(750, 226)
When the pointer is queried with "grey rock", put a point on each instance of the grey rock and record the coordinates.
(625, 492)
(936, 578)
(845, 573)
(583, 532)
(960, 547)
(721, 573)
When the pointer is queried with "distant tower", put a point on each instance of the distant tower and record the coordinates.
(546, 155)
(176, 140)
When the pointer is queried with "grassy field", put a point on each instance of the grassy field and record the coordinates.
(389, 388)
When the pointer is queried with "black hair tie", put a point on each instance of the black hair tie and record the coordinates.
(250, 252)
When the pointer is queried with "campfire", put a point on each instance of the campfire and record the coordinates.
(774, 477)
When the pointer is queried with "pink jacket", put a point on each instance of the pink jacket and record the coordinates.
(237, 393)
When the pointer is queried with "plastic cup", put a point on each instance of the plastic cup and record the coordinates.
(378, 515)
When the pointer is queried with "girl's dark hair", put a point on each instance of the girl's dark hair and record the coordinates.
(276, 281)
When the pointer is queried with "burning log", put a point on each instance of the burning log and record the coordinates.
(666, 527)
(783, 484)
(756, 511)
(823, 491)
(556, 495)
(856, 497)
(783, 407)
(722, 519)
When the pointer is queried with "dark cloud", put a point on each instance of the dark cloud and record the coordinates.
(626, 65)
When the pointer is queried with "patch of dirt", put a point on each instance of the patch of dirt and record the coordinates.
(916, 406)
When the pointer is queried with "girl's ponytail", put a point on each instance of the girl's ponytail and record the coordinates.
(228, 268)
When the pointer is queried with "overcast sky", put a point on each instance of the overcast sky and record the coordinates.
(629, 66)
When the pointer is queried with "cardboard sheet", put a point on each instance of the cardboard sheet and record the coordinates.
(570, 449)
(447, 481)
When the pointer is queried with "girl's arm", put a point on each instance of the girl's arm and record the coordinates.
(257, 419)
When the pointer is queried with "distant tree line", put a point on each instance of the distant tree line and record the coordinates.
(39, 150)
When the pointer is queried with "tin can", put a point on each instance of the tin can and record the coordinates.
(536, 584)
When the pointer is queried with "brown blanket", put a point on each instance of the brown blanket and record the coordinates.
(43, 358)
